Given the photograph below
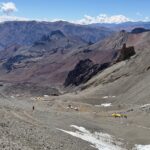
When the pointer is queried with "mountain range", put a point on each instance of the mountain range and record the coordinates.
(45, 53)
(28, 32)
(128, 26)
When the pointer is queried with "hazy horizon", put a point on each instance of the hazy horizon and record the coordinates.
(80, 12)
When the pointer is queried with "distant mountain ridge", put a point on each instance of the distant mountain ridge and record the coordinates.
(128, 26)
(27, 32)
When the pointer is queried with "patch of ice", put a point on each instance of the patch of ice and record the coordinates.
(106, 104)
(146, 105)
(46, 96)
(12, 97)
(113, 96)
(106, 97)
(101, 141)
(142, 147)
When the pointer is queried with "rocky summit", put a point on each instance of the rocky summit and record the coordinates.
(125, 53)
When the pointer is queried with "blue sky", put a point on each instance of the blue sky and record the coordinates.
(74, 10)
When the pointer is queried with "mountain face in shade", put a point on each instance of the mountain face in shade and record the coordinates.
(55, 42)
(139, 30)
(54, 35)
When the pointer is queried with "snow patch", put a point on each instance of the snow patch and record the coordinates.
(101, 141)
(146, 105)
(106, 104)
(13, 97)
(106, 97)
(46, 96)
(142, 147)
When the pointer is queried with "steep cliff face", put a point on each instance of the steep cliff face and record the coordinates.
(84, 71)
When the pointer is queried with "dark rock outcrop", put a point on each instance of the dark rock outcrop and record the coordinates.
(84, 71)
(139, 30)
(53, 36)
(57, 34)
(9, 64)
(125, 53)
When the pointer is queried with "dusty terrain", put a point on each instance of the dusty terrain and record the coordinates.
(79, 118)
(46, 126)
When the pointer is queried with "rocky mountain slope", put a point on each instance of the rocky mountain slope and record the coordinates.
(127, 80)
(28, 32)
(48, 60)
(86, 69)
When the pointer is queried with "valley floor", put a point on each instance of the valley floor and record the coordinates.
(57, 124)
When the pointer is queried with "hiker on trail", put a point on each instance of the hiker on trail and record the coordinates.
(33, 108)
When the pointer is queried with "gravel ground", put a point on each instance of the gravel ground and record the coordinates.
(21, 128)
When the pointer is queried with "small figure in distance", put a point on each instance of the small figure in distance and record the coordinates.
(33, 108)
